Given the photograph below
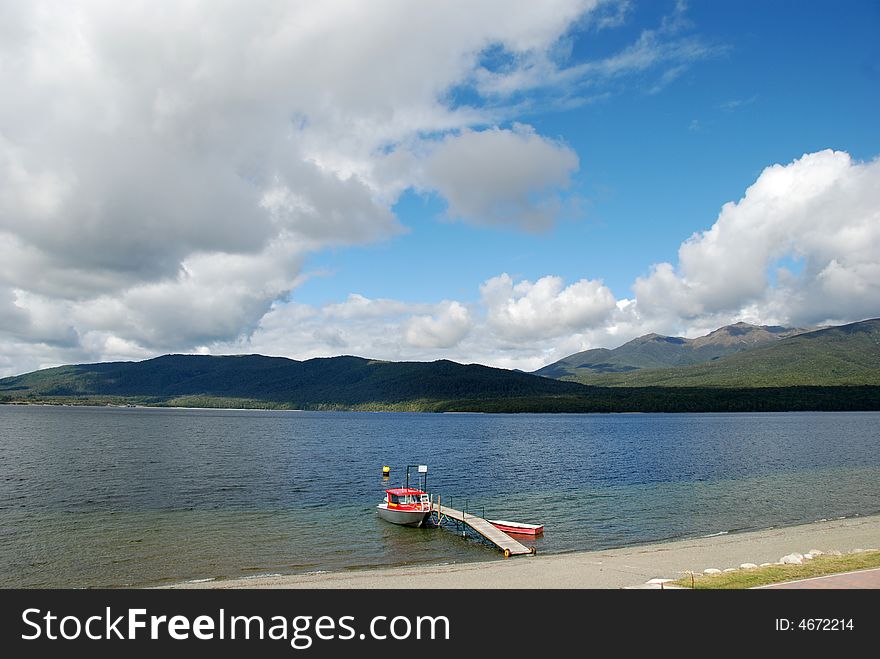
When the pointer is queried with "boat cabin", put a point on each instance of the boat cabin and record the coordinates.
(406, 497)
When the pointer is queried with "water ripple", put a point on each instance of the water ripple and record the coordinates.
(112, 497)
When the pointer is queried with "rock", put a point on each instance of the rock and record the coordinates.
(858, 551)
(730, 569)
(816, 552)
(711, 570)
(808, 557)
(834, 552)
(766, 564)
(748, 566)
(792, 559)
(659, 581)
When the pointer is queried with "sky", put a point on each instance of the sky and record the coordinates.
(499, 182)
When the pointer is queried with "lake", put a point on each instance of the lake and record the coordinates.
(146, 496)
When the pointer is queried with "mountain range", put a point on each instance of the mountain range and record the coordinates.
(739, 367)
(658, 351)
(739, 355)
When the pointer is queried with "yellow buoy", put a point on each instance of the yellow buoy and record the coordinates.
(386, 471)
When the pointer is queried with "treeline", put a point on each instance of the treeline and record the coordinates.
(596, 399)
(678, 399)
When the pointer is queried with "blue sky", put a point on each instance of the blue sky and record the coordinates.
(788, 78)
(503, 182)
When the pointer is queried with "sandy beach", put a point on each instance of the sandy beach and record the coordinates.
(613, 568)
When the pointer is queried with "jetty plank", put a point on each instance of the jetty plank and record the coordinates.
(497, 537)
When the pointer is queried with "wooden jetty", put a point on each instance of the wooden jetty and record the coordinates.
(499, 538)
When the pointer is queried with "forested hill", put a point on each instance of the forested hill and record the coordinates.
(342, 381)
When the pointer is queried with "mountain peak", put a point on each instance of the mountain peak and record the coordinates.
(740, 354)
(746, 334)
(659, 351)
(657, 338)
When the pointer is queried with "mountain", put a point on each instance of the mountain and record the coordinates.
(836, 368)
(335, 381)
(832, 356)
(657, 351)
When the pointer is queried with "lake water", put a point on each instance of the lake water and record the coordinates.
(135, 496)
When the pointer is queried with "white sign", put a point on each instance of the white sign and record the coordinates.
(423, 469)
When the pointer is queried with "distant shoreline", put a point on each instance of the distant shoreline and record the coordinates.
(612, 568)
(618, 400)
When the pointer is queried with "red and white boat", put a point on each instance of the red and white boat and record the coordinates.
(517, 528)
(406, 506)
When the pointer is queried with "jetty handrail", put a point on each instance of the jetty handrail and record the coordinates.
(496, 536)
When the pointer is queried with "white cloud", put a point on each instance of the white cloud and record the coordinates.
(501, 176)
(735, 104)
(164, 167)
(446, 329)
(613, 14)
(544, 309)
(666, 51)
(361, 307)
(377, 328)
(822, 210)
(13, 318)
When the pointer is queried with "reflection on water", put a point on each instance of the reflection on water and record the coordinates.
(113, 497)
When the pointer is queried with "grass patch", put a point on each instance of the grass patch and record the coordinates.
(817, 567)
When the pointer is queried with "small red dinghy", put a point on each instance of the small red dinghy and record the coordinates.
(517, 528)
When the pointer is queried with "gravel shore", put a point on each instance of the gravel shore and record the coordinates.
(612, 568)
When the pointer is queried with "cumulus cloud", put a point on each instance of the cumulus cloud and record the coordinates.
(164, 167)
(443, 330)
(501, 176)
(822, 211)
(545, 308)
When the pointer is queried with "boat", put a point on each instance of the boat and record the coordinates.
(406, 506)
(517, 528)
